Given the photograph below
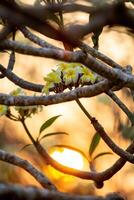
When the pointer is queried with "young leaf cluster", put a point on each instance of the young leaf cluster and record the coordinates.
(47, 124)
(23, 111)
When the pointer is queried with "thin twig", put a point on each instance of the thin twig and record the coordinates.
(36, 39)
(123, 107)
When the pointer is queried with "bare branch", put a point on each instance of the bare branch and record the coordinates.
(87, 91)
(10, 64)
(95, 53)
(112, 74)
(36, 39)
(100, 130)
(8, 192)
(20, 82)
(123, 107)
(24, 164)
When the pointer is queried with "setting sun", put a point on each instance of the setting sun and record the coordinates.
(69, 158)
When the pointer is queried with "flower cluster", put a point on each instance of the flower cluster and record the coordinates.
(23, 111)
(68, 75)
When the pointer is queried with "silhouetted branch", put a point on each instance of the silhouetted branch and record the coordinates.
(5, 32)
(36, 18)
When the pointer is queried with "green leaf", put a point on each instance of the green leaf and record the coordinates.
(72, 148)
(54, 133)
(94, 143)
(47, 123)
(101, 154)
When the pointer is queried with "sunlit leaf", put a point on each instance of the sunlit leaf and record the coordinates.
(48, 123)
(54, 133)
(72, 148)
(101, 154)
(94, 143)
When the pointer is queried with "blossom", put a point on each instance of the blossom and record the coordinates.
(3, 110)
(53, 77)
(62, 67)
(71, 76)
(87, 76)
(67, 75)
(65, 66)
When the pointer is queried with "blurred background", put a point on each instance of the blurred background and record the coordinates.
(118, 45)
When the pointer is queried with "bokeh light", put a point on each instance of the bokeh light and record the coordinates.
(69, 158)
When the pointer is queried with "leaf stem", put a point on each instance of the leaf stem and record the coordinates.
(22, 120)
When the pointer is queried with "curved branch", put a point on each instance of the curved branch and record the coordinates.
(10, 64)
(19, 81)
(78, 56)
(100, 130)
(123, 107)
(24, 164)
(10, 191)
(36, 39)
(87, 91)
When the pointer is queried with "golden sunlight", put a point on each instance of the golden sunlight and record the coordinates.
(69, 158)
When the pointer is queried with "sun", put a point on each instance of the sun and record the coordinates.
(69, 158)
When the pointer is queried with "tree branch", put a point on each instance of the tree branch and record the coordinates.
(123, 107)
(95, 53)
(24, 164)
(8, 192)
(77, 56)
(100, 130)
(88, 91)
(19, 81)
(37, 40)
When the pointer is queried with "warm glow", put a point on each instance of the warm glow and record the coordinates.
(68, 158)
